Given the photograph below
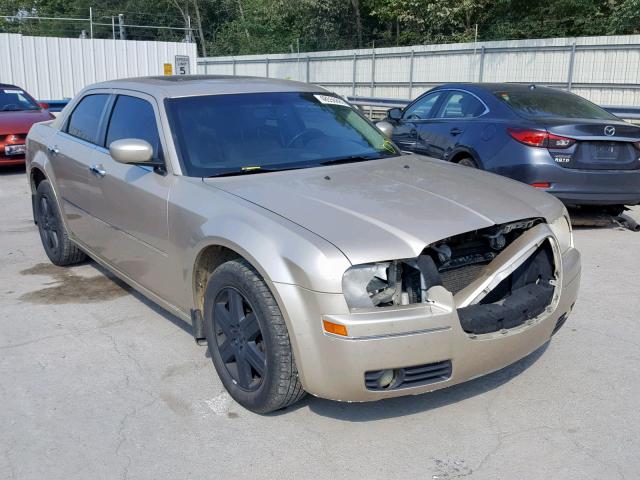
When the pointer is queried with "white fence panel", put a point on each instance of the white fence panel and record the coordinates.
(56, 68)
(603, 69)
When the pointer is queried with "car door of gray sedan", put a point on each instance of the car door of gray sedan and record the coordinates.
(456, 120)
(133, 199)
(70, 151)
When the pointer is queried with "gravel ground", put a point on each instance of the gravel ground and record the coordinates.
(98, 383)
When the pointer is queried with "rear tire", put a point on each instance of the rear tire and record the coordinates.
(55, 240)
(468, 162)
(248, 339)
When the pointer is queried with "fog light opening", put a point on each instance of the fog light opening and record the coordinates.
(387, 379)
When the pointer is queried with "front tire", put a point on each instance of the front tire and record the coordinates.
(55, 240)
(248, 339)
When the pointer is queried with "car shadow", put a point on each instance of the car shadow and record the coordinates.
(178, 322)
(594, 219)
(9, 170)
(409, 405)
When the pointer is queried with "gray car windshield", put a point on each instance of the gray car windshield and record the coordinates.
(218, 135)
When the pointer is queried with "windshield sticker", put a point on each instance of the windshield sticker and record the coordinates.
(328, 100)
(388, 146)
(19, 92)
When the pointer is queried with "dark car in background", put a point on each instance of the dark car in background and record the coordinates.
(18, 112)
(545, 137)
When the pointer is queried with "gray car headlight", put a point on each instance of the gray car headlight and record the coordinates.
(561, 229)
(371, 284)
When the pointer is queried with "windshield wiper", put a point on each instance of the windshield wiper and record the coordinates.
(352, 159)
(249, 171)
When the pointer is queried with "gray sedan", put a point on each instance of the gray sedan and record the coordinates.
(309, 253)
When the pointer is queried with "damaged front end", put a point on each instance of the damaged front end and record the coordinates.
(500, 277)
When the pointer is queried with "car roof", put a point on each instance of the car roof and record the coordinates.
(195, 85)
(8, 85)
(498, 87)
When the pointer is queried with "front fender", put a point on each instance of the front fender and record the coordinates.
(283, 252)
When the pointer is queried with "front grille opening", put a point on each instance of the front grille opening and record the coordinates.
(393, 379)
(522, 296)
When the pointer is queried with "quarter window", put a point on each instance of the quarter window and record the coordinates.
(133, 117)
(422, 109)
(84, 122)
(461, 105)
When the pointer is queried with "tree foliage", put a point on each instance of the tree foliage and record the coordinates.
(232, 27)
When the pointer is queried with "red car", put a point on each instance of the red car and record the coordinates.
(18, 111)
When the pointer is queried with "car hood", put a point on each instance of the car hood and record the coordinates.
(20, 122)
(392, 208)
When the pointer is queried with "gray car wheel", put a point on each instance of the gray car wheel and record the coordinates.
(248, 339)
(55, 240)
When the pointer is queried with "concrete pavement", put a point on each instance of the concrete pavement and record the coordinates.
(98, 383)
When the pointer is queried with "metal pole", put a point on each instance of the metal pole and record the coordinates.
(298, 60)
(475, 40)
(353, 80)
(571, 62)
(373, 74)
(308, 70)
(113, 27)
(267, 66)
(121, 26)
(91, 22)
(411, 73)
(481, 64)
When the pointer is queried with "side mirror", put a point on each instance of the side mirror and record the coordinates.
(395, 113)
(386, 128)
(131, 151)
(43, 105)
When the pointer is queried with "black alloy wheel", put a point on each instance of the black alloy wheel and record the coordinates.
(48, 224)
(239, 339)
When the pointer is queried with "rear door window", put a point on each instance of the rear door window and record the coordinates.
(461, 105)
(84, 122)
(133, 117)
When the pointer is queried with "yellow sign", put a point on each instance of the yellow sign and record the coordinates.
(168, 69)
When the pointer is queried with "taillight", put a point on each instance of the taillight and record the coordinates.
(540, 138)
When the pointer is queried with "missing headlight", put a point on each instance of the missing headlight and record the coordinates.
(381, 284)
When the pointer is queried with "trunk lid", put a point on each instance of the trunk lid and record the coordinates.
(600, 145)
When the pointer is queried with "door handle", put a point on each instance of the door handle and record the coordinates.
(455, 131)
(98, 170)
(53, 149)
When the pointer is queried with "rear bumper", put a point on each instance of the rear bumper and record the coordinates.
(580, 187)
(7, 161)
(334, 367)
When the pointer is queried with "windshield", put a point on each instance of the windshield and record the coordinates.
(14, 99)
(260, 132)
(547, 103)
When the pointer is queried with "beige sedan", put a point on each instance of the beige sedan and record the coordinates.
(310, 253)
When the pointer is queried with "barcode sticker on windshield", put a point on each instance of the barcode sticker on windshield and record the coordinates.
(328, 100)
(19, 92)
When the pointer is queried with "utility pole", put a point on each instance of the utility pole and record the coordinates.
(113, 27)
(121, 26)
(91, 22)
